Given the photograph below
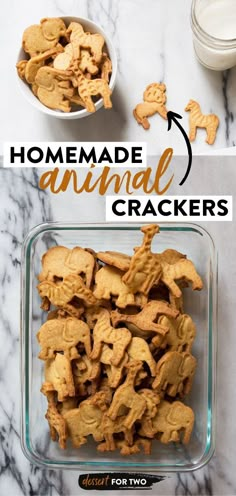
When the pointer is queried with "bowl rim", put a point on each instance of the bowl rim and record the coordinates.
(35, 102)
(126, 466)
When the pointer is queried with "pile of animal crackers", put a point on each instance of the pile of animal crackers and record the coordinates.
(67, 66)
(117, 346)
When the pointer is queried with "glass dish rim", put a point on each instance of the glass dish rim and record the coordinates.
(25, 333)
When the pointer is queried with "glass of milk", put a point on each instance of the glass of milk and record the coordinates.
(214, 32)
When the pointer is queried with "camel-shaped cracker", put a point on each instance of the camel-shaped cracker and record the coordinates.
(63, 335)
(56, 422)
(169, 422)
(180, 336)
(61, 294)
(144, 269)
(109, 283)
(60, 262)
(92, 87)
(126, 395)
(59, 377)
(94, 42)
(174, 373)
(42, 37)
(103, 332)
(197, 119)
(86, 420)
(154, 102)
(146, 320)
(182, 270)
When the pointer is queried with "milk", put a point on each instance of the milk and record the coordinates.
(218, 19)
(214, 32)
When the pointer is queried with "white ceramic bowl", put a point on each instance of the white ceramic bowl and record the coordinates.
(78, 114)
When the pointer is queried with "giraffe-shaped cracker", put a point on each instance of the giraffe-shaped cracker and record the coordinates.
(145, 269)
(127, 396)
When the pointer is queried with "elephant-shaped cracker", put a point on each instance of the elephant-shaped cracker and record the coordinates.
(56, 422)
(63, 335)
(138, 349)
(42, 37)
(183, 270)
(59, 377)
(174, 373)
(61, 294)
(170, 421)
(146, 321)
(93, 42)
(181, 334)
(34, 64)
(60, 262)
(145, 269)
(126, 396)
(92, 87)
(154, 102)
(86, 420)
(109, 283)
(54, 88)
(103, 332)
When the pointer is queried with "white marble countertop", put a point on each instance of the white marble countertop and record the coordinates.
(154, 43)
(23, 206)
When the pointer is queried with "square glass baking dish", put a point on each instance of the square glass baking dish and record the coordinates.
(202, 306)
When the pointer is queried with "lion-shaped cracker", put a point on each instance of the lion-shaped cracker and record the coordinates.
(109, 283)
(86, 420)
(62, 293)
(152, 401)
(93, 42)
(146, 320)
(198, 119)
(42, 37)
(103, 332)
(154, 102)
(54, 88)
(56, 422)
(181, 334)
(59, 377)
(174, 373)
(127, 396)
(63, 335)
(92, 87)
(171, 420)
(182, 270)
(144, 269)
(60, 262)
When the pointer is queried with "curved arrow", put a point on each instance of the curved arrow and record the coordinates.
(172, 116)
